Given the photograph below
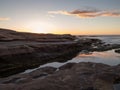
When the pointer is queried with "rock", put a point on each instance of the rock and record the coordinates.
(10, 35)
(117, 51)
(28, 77)
(7, 87)
(85, 52)
(67, 66)
(28, 50)
(19, 58)
(42, 72)
(103, 85)
(79, 76)
(89, 45)
(20, 51)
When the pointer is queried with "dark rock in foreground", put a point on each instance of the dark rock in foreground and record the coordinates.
(81, 76)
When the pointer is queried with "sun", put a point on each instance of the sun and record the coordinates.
(40, 27)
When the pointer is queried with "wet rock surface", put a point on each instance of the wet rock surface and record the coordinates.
(79, 76)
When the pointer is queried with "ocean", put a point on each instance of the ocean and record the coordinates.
(110, 39)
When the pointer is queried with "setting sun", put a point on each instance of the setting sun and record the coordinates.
(79, 17)
(39, 27)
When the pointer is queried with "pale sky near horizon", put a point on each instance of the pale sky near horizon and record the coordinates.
(61, 16)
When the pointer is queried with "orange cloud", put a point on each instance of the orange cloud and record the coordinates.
(87, 13)
(4, 19)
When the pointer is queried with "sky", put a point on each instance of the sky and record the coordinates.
(78, 17)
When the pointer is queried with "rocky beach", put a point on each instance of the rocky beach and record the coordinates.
(20, 51)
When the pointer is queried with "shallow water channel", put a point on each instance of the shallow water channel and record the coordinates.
(106, 57)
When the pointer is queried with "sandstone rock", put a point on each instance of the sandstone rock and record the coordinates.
(20, 51)
(81, 76)
(10, 35)
(67, 66)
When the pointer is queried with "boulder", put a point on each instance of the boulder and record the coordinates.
(117, 51)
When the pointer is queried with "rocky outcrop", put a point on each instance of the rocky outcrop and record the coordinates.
(18, 58)
(117, 51)
(81, 76)
(10, 35)
(91, 45)
(20, 51)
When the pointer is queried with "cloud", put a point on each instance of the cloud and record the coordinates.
(87, 13)
(4, 19)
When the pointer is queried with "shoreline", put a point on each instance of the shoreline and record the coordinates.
(27, 54)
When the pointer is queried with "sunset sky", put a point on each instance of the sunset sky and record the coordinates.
(61, 16)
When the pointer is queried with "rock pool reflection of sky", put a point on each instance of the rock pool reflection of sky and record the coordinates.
(106, 57)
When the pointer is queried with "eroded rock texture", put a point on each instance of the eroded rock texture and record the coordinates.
(72, 76)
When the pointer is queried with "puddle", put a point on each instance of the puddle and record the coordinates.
(116, 86)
